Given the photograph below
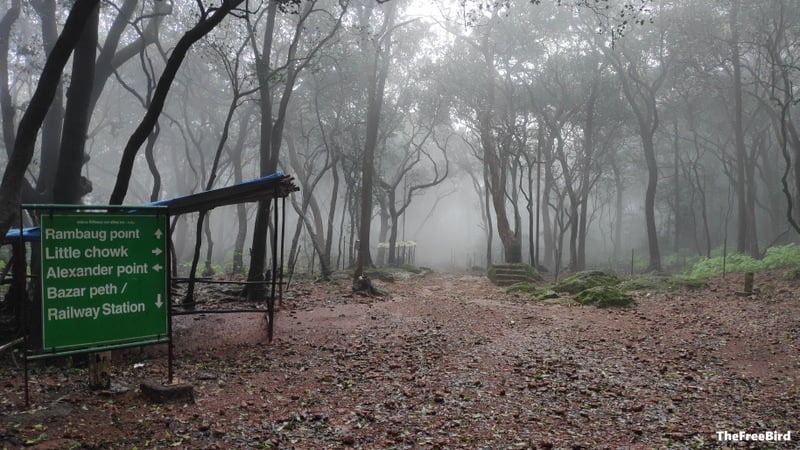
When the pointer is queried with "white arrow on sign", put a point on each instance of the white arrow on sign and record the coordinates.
(159, 233)
(158, 267)
(158, 301)
(157, 251)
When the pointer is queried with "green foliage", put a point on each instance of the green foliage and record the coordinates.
(586, 280)
(522, 287)
(655, 283)
(776, 257)
(605, 296)
(783, 256)
(679, 262)
(709, 267)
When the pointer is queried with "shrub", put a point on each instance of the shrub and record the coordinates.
(652, 283)
(783, 256)
(736, 262)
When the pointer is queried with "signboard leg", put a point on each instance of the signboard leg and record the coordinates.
(25, 369)
(100, 370)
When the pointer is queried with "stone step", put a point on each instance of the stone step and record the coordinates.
(508, 274)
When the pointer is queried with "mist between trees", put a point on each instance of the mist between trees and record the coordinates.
(564, 134)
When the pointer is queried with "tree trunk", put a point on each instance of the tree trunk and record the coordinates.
(740, 188)
(7, 112)
(110, 57)
(618, 209)
(487, 212)
(34, 115)
(379, 71)
(676, 189)
(548, 232)
(272, 127)
(586, 176)
(53, 122)
(68, 184)
(650, 202)
(332, 216)
(235, 153)
(150, 118)
(383, 231)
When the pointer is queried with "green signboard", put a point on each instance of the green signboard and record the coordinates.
(104, 278)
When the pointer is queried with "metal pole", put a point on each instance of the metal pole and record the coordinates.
(271, 300)
(24, 311)
(283, 242)
(169, 268)
(25, 369)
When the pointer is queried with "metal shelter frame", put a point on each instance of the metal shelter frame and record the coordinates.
(271, 188)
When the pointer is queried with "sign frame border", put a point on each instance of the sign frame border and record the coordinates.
(118, 343)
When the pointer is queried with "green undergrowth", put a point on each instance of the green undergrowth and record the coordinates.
(660, 283)
(778, 257)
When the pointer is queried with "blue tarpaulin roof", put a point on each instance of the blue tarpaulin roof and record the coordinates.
(28, 234)
(272, 186)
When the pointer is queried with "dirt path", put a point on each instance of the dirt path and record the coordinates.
(449, 361)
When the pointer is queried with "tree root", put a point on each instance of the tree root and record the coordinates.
(363, 286)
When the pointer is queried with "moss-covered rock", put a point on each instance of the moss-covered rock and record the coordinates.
(380, 274)
(411, 268)
(342, 275)
(639, 284)
(544, 294)
(582, 281)
(688, 283)
(523, 286)
(605, 297)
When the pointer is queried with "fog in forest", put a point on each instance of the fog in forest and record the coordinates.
(569, 135)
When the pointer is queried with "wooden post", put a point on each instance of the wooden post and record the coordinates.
(632, 258)
(748, 282)
(100, 370)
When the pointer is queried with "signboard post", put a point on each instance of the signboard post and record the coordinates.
(104, 279)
